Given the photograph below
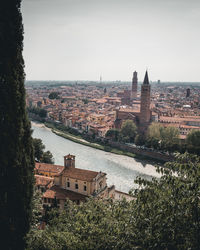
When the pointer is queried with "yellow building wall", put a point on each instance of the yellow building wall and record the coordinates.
(80, 183)
(49, 174)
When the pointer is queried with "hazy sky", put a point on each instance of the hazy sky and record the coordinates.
(83, 39)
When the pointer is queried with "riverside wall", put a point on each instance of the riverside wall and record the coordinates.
(144, 152)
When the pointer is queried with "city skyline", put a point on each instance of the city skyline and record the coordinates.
(83, 40)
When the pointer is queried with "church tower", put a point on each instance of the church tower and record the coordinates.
(134, 85)
(145, 112)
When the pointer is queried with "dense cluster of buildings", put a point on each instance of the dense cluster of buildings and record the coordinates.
(95, 109)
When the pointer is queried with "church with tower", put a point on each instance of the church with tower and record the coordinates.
(139, 112)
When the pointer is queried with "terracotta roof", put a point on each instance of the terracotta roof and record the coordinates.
(128, 110)
(79, 174)
(179, 119)
(75, 173)
(43, 180)
(63, 194)
(51, 168)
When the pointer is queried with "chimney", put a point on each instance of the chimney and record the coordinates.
(69, 161)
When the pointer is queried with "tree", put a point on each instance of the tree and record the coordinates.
(47, 157)
(164, 138)
(163, 215)
(38, 148)
(167, 210)
(95, 225)
(42, 113)
(113, 134)
(193, 142)
(128, 131)
(54, 95)
(139, 139)
(170, 138)
(154, 135)
(38, 111)
(16, 151)
(39, 153)
(85, 101)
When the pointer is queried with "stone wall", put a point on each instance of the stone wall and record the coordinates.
(144, 152)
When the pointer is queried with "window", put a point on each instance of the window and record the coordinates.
(85, 188)
(76, 185)
(68, 184)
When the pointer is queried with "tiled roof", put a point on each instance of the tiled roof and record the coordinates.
(63, 194)
(128, 110)
(75, 173)
(43, 180)
(51, 168)
(79, 174)
(179, 119)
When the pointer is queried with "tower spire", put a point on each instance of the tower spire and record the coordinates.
(145, 112)
(146, 78)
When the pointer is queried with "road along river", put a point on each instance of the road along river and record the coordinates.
(121, 170)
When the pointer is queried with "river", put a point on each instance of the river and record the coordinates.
(121, 170)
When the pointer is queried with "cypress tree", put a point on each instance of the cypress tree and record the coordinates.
(16, 151)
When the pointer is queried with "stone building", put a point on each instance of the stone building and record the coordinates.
(141, 116)
(72, 183)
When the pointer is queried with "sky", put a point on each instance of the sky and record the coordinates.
(86, 39)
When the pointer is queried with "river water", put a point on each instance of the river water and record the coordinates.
(121, 170)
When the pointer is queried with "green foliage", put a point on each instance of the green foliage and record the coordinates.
(38, 148)
(54, 95)
(38, 111)
(95, 225)
(163, 138)
(39, 153)
(85, 101)
(193, 142)
(16, 151)
(164, 215)
(37, 210)
(167, 210)
(47, 157)
(139, 139)
(128, 131)
(113, 134)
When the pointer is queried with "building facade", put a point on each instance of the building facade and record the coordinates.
(69, 182)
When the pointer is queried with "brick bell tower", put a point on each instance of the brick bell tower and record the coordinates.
(134, 85)
(69, 161)
(145, 112)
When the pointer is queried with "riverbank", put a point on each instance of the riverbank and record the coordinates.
(116, 149)
(121, 170)
(80, 140)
